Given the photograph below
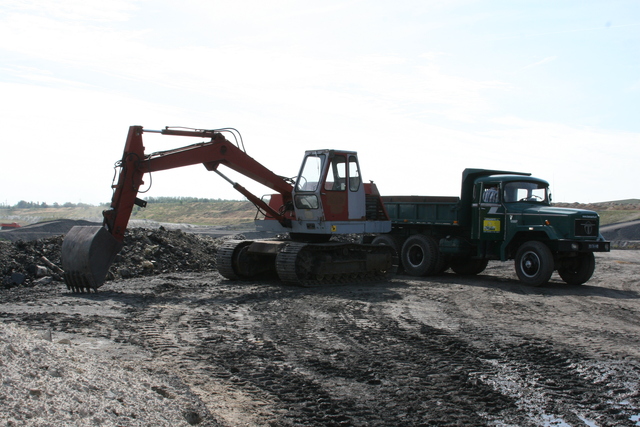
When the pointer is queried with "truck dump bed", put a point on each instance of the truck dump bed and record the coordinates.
(422, 209)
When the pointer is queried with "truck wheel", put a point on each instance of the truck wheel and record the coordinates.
(466, 266)
(419, 255)
(577, 270)
(534, 263)
(387, 240)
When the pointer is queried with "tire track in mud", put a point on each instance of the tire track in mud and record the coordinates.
(288, 356)
(366, 380)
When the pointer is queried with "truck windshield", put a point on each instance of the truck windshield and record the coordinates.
(523, 191)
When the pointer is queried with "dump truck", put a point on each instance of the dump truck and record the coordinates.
(500, 215)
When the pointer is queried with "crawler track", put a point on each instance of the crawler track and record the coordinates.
(304, 264)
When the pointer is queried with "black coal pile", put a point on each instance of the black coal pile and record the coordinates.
(29, 263)
(146, 252)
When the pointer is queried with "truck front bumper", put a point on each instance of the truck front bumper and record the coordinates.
(582, 246)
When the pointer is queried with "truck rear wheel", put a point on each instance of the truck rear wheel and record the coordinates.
(577, 270)
(420, 255)
(534, 263)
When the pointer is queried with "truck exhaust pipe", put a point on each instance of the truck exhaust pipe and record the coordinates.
(87, 253)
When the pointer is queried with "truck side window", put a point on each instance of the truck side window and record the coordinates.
(337, 174)
(491, 194)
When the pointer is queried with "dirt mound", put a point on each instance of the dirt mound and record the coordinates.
(146, 252)
(42, 230)
(624, 235)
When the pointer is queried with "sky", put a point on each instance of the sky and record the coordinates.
(420, 89)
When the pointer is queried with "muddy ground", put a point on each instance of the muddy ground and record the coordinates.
(445, 351)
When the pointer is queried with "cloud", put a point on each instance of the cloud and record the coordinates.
(538, 63)
(77, 81)
(91, 10)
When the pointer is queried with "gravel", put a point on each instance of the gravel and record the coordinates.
(48, 383)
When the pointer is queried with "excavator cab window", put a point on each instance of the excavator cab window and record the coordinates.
(354, 174)
(311, 173)
(308, 181)
(337, 174)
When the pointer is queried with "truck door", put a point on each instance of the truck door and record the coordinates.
(490, 218)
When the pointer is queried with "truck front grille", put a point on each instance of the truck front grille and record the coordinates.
(586, 228)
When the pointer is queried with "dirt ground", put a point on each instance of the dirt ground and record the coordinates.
(445, 351)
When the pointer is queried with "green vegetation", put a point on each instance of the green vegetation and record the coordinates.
(613, 216)
(626, 202)
(164, 209)
(199, 211)
(223, 212)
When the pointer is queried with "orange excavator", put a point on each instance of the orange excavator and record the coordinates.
(327, 198)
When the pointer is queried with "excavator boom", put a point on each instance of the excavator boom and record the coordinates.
(88, 252)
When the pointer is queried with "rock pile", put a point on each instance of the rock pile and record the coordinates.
(146, 252)
(30, 263)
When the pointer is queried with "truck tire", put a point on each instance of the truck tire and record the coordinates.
(577, 270)
(534, 263)
(390, 241)
(466, 266)
(420, 255)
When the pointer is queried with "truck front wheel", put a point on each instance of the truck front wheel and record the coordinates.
(534, 263)
(577, 270)
(420, 255)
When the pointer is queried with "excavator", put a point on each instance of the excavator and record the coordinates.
(327, 198)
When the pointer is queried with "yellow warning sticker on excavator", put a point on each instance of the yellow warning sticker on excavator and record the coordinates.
(334, 228)
(491, 225)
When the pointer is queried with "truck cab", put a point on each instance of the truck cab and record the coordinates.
(499, 206)
(510, 211)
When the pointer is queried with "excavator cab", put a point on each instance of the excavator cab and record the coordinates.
(329, 187)
(330, 197)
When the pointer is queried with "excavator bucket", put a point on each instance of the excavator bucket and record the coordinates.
(87, 253)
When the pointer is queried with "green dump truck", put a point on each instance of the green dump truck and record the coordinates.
(500, 215)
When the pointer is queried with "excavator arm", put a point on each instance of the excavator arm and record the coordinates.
(87, 252)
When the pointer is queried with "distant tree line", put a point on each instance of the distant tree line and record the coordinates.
(181, 200)
(23, 204)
